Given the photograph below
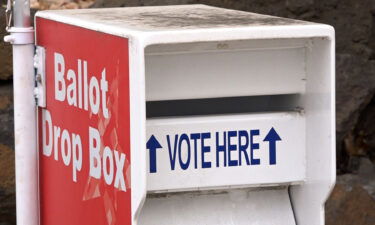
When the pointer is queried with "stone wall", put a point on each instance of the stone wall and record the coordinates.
(353, 199)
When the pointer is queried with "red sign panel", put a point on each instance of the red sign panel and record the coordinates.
(84, 132)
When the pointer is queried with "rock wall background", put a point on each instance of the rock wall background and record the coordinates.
(353, 199)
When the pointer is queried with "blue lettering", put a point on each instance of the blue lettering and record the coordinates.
(185, 138)
(205, 149)
(195, 138)
(242, 147)
(221, 148)
(253, 146)
(172, 157)
(231, 148)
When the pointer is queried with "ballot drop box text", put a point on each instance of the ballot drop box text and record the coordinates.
(187, 114)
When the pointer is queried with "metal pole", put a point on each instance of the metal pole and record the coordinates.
(22, 38)
(22, 13)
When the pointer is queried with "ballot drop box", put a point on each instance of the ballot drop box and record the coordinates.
(183, 115)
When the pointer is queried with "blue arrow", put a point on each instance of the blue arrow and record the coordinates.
(153, 144)
(272, 137)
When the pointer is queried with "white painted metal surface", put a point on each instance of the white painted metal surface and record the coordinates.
(205, 39)
(168, 18)
(225, 151)
(235, 72)
(187, 24)
(319, 104)
(237, 207)
(137, 126)
(25, 136)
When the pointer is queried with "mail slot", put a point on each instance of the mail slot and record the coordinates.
(184, 114)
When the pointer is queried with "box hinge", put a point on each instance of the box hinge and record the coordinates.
(40, 77)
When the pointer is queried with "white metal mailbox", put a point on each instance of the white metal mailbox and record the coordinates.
(231, 114)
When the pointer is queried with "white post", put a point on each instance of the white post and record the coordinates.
(22, 38)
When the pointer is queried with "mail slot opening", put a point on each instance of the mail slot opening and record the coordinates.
(229, 105)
